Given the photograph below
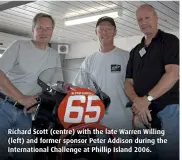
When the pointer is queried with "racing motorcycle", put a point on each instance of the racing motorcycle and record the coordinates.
(57, 87)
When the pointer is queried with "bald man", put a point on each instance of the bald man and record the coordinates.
(152, 83)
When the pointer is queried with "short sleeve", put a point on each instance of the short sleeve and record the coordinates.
(9, 57)
(129, 69)
(171, 50)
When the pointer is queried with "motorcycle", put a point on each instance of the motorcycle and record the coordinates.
(55, 108)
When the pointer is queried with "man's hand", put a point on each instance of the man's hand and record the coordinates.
(140, 104)
(145, 117)
(137, 122)
(31, 110)
(28, 101)
(140, 108)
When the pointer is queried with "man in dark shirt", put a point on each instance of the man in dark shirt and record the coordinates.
(152, 80)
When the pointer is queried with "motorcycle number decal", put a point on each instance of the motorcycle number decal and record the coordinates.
(80, 106)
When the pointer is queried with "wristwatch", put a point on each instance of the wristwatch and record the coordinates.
(149, 98)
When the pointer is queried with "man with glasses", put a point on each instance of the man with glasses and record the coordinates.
(20, 66)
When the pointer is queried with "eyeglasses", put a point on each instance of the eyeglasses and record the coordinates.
(40, 28)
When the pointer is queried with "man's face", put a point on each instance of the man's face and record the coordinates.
(106, 32)
(43, 30)
(147, 20)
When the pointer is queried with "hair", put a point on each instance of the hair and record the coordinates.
(149, 6)
(41, 15)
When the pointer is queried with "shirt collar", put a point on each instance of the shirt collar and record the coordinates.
(157, 36)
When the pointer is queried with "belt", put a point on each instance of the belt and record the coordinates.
(9, 100)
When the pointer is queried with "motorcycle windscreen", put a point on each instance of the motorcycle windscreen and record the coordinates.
(61, 81)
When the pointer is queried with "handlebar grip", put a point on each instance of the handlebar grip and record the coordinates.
(38, 102)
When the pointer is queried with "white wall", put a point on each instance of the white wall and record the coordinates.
(81, 50)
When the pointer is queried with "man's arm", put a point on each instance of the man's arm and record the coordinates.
(130, 92)
(8, 88)
(171, 63)
(139, 103)
(7, 62)
(167, 81)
